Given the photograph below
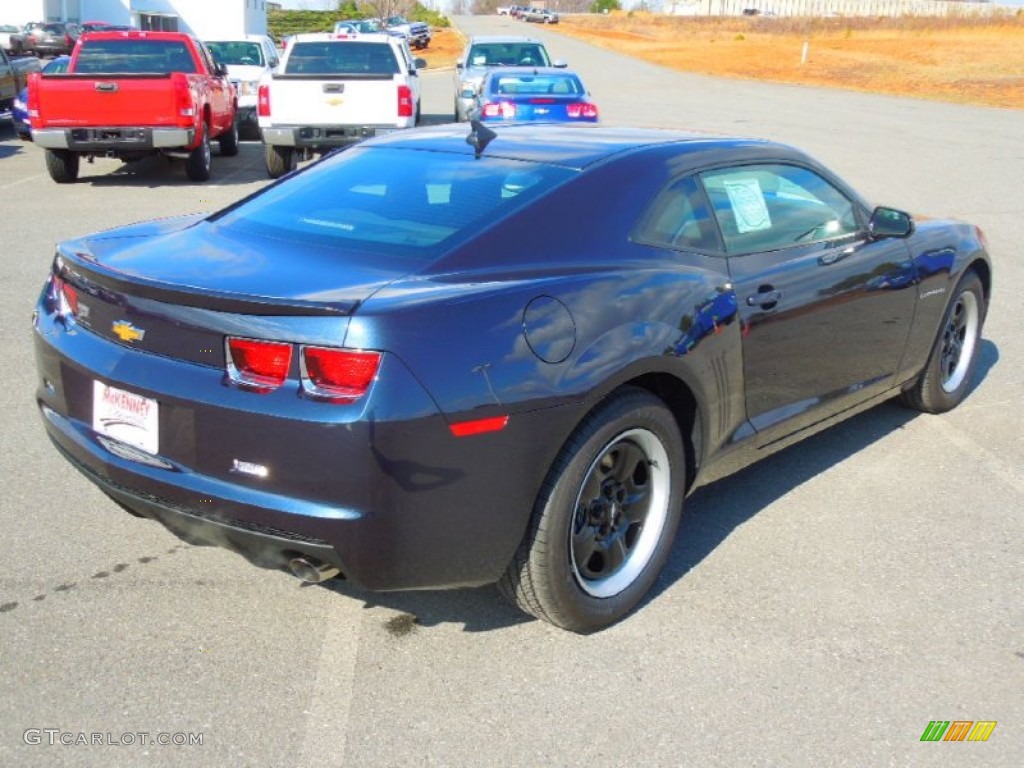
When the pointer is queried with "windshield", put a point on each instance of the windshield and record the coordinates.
(508, 55)
(239, 53)
(400, 203)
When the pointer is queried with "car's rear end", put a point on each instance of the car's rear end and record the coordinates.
(541, 95)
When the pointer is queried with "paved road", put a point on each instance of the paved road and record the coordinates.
(819, 609)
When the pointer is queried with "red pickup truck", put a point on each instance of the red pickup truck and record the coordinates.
(130, 94)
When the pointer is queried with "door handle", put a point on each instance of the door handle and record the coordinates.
(833, 256)
(765, 299)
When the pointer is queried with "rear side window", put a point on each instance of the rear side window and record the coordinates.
(508, 55)
(404, 204)
(341, 58)
(131, 57)
(679, 218)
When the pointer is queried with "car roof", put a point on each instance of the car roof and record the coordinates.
(331, 37)
(497, 72)
(570, 146)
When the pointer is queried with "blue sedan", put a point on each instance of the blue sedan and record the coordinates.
(546, 94)
(19, 111)
(436, 359)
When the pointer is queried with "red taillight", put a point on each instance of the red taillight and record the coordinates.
(263, 101)
(582, 110)
(339, 375)
(502, 109)
(183, 100)
(405, 105)
(258, 365)
(68, 41)
(65, 297)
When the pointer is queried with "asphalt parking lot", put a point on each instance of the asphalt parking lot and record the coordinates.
(818, 609)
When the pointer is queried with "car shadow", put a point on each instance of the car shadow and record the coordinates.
(713, 512)
(154, 171)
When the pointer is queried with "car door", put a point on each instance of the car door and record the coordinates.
(221, 92)
(824, 307)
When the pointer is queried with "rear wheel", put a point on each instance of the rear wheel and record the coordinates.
(198, 164)
(280, 160)
(606, 517)
(228, 140)
(62, 165)
(947, 376)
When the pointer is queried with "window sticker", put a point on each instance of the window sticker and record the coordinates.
(748, 205)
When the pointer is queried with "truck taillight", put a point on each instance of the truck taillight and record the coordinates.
(337, 375)
(259, 366)
(405, 105)
(263, 101)
(183, 101)
(582, 111)
(503, 109)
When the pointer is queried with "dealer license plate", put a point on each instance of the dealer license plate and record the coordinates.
(125, 416)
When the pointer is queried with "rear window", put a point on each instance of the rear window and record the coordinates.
(237, 53)
(341, 58)
(132, 57)
(508, 55)
(536, 85)
(408, 204)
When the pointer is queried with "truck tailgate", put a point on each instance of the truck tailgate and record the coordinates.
(360, 100)
(119, 100)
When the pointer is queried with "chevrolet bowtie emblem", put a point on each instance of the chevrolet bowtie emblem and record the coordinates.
(125, 331)
(335, 101)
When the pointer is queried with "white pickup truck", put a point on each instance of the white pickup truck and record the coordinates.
(332, 90)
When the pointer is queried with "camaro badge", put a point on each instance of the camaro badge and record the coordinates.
(125, 331)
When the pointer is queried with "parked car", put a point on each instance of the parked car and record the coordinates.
(331, 90)
(55, 39)
(532, 93)
(103, 26)
(540, 16)
(248, 59)
(440, 360)
(484, 52)
(21, 42)
(416, 32)
(129, 95)
(14, 74)
(19, 111)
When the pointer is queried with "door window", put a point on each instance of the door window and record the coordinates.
(768, 207)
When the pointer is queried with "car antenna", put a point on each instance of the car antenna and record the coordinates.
(479, 137)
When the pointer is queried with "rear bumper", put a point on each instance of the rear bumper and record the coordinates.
(317, 136)
(114, 138)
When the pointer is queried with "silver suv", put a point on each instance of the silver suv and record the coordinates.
(484, 52)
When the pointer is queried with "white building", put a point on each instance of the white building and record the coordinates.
(206, 19)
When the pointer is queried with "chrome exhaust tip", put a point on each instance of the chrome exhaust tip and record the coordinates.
(312, 571)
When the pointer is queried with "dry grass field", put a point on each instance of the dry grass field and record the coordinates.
(968, 61)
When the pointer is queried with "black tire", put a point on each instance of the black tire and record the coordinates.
(605, 519)
(280, 160)
(228, 140)
(62, 165)
(419, 114)
(948, 374)
(199, 161)
(458, 119)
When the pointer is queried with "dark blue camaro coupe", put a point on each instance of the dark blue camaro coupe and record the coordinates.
(433, 360)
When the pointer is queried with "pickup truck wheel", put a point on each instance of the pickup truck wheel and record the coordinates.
(947, 376)
(228, 140)
(62, 165)
(280, 160)
(197, 166)
(605, 519)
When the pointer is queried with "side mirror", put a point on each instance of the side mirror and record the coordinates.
(467, 93)
(889, 222)
(220, 70)
(458, 66)
(560, 64)
(420, 63)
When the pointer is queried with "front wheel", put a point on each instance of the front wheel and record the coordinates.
(606, 517)
(62, 165)
(198, 164)
(947, 376)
